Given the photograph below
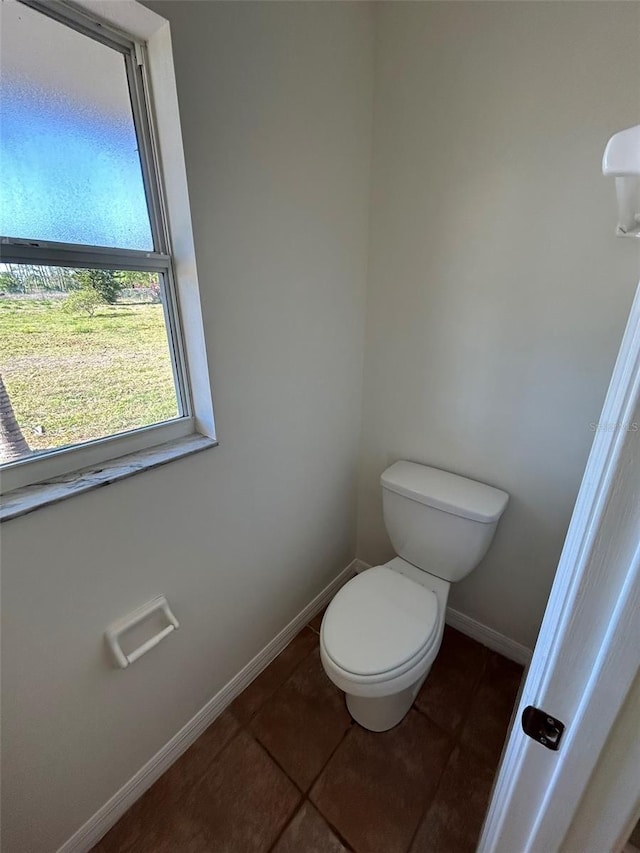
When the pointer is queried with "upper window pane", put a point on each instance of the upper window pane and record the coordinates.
(69, 163)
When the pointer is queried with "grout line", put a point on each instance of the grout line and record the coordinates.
(432, 799)
(184, 794)
(305, 801)
(282, 683)
(450, 735)
(333, 829)
(261, 746)
(477, 755)
(287, 824)
(455, 741)
(296, 785)
(196, 785)
(250, 731)
(352, 723)
(305, 793)
(191, 786)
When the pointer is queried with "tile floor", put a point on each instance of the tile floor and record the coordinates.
(285, 769)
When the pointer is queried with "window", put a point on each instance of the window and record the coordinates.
(93, 360)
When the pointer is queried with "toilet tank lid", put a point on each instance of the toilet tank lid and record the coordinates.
(443, 490)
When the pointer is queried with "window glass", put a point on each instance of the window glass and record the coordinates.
(69, 164)
(84, 354)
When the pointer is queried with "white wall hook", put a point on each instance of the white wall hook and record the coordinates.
(120, 626)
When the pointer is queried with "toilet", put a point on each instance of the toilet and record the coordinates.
(382, 631)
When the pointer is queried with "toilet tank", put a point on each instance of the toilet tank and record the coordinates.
(440, 522)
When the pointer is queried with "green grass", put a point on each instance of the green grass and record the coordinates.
(81, 377)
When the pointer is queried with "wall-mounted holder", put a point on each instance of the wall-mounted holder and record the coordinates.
(120, 626)
(622, 161)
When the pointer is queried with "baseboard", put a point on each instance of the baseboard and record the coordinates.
(493, 640)
(93, 830)
(477, 631)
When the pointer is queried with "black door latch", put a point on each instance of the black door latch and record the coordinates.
(542, 727)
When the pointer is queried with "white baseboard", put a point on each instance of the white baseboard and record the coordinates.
(493, 640)
(477, 631)
(93, 830)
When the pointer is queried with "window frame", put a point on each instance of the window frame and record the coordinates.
(145, 43)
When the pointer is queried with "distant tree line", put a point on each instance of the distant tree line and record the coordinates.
(108, 284)
(30, 278)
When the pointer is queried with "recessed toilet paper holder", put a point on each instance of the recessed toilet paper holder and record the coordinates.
(121, 626)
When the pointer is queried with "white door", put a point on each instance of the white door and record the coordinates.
(585, 797)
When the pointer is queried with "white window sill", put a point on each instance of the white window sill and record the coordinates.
(29, 498)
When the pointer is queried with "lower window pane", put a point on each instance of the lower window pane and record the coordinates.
(84, 354)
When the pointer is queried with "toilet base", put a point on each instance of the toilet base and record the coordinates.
(381, 713)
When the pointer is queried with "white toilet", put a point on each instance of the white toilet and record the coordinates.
(383, 629)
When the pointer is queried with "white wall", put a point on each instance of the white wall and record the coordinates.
(497, 293)
(276, 106)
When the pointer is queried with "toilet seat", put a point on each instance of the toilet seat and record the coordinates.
(379, 625)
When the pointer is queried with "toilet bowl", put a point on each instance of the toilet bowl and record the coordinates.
(379, 638)
(382, 631)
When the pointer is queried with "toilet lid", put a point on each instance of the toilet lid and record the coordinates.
(379, 621)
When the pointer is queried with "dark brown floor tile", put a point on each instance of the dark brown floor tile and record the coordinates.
(162, 837)
(304, 722)
(128, 831)
(189, 769)
(446, 693)
(376, 786)
(491, 707)
(316, 622)
(154, 820)
(265, 685)
(243, 802)
(454, 819)
(634, 838)
(308, 832)
(153, 825)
